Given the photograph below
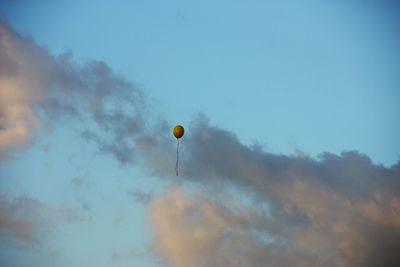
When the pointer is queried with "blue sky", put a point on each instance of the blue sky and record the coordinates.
(309, 76)
(293, 76)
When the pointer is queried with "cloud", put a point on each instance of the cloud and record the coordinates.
(140, 196)
(336, 210)
(29, 220)
(191, 230)
(39, 89)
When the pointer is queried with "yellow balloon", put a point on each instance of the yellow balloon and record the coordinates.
(178, 131)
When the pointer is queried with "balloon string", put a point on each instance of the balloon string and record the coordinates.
(177, 156)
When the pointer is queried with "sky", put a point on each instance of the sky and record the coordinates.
(290, 157)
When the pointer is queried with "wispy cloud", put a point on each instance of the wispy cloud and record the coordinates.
(30, 220)
(140, 196)
(38, 89)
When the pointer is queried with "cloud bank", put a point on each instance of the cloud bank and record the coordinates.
(336, 210)
(285, 210)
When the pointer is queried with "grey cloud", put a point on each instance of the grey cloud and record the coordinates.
(140, 196)
(29, 220)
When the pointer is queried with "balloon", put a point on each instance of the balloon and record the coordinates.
(178, 131)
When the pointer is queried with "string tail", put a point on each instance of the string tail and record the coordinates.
(177, 157)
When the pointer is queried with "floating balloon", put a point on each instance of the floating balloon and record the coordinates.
(178, 132)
